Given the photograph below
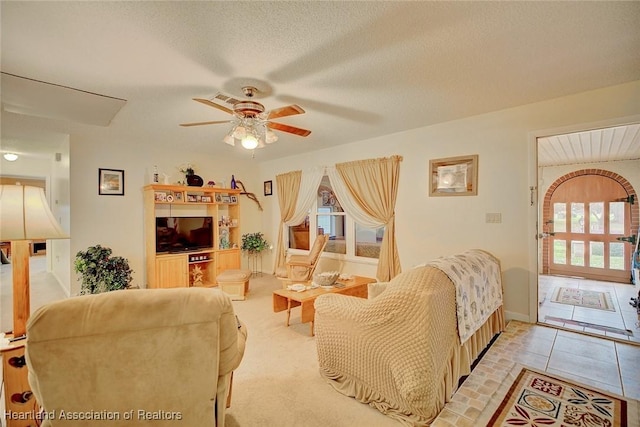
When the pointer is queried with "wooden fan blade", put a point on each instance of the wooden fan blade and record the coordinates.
(213, 104)
(205, 123)
(289, 110)
(287, 128)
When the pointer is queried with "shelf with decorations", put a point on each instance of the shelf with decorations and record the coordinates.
(219, 207)
(202, 271)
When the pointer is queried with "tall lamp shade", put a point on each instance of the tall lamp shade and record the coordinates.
(24, 216)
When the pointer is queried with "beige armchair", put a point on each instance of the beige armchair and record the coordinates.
(300, 268)
(399, 350)
(156, 357)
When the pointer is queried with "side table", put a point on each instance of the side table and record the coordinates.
(252, 262)
(21, 408)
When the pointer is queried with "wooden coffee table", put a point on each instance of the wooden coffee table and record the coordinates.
(285, 299)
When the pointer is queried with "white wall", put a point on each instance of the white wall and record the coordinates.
(428, 227)
(117, 221)
(60, 252)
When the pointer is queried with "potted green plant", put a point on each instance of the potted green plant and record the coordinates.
(100, 272)
(254, 243)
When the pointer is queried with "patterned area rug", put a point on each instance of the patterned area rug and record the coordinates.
(583, 298)
(538, 399)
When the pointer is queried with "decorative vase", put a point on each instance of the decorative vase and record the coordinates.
(194, 181)
(233, 182)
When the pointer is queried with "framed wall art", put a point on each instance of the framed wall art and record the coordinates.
(454, 176)
(268, 188)
(110, 182)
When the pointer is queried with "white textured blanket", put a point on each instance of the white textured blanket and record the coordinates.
(478, 281)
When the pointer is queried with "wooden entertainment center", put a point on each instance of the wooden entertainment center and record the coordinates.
(200, 267)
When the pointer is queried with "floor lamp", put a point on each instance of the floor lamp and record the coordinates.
(24, 216)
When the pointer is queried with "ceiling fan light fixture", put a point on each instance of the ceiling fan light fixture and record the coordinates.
(251, 121)
(270, 137)
(239, 132)
(250, 142)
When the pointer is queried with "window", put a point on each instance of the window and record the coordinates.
(346, 237)
(368, 241)
(330, 218)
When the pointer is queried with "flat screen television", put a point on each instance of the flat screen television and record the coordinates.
(180, 234)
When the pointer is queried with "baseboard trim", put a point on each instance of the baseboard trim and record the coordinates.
(511, 315)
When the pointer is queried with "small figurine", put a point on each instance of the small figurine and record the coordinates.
(197, 275)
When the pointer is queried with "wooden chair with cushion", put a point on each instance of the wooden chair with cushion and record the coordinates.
(300, 268)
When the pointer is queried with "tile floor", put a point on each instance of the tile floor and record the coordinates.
(624, 318)
(608, 365)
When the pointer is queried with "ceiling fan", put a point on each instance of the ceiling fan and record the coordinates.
(252, 124)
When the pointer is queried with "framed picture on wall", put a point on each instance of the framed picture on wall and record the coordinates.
(111, 182)
(268, 188)
(454, 176)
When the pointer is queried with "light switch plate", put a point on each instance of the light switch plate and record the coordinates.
(493, 218)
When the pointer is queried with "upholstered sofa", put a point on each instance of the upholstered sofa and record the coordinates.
(156, 357)
(401, 351)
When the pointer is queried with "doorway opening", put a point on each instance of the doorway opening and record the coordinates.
(589, 219)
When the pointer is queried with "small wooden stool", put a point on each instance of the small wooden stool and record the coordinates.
(234, 283)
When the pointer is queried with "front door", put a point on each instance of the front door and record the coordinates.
(589, 215)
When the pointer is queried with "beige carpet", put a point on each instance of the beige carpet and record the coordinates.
(278, 383)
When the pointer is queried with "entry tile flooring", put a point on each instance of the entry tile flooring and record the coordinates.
(604, 364)
(598, 322)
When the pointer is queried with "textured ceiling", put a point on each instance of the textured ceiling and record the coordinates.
(359, 69)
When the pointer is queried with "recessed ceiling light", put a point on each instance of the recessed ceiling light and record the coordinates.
(11, 157)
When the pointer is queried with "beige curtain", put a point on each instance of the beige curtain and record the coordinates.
(373, 188)
(288, 186)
